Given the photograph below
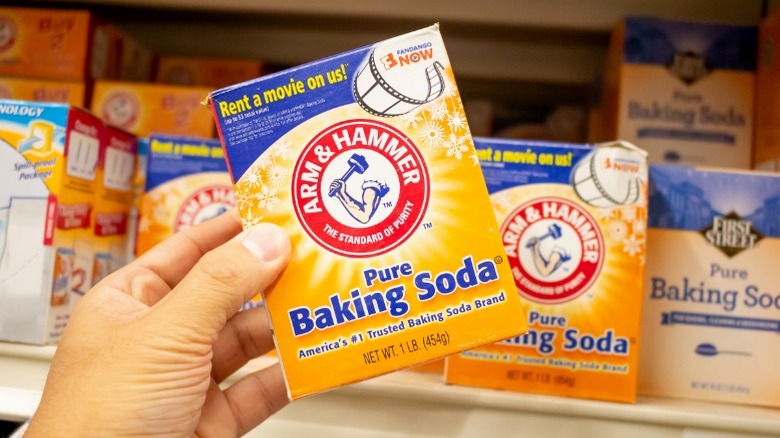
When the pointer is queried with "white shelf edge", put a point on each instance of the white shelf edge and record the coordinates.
(427, 387)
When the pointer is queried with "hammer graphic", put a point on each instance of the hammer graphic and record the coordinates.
(553, 231)
(357, 163)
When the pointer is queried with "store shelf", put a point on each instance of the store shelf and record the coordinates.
(591, 15)
(550, 42)
(417, 404)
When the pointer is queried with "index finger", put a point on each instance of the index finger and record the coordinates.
(173, 258)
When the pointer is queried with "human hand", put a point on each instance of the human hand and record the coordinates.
(338, 187)
(146, 348)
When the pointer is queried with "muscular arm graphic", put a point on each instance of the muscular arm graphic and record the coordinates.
(545, 267)
(361, 211)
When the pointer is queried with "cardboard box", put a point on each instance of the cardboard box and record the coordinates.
(366, 160)
(113, 200)
(766, 153)
(49, 156)
(572, 219)
(71, 45)
(139, 186)
(682, 91)
(712, 306)
(207, 72)
(144, 109)
(186, 183)
(42, 90)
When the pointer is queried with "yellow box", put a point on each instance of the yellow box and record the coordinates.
(573, 220)
(113, 200)
(49, 155)
(186, 182)
(208, 72)
(366, 160)
(682, 91)
(42, 91)
(57, 44)
(143, 109)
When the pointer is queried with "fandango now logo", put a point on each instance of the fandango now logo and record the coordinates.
(408, 55)
(555, 249)
(360, 188)
(203, 205)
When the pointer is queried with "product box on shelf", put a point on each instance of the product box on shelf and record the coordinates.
(682, 91)
(712, 306)
(366, 160)
(572, 218)
(69, 45)
(144, 109)
(113, 199)
(48, 155)
(186, 183)
(71, 92)
(208, 72)
(766, 152)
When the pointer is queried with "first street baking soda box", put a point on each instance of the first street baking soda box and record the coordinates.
(572, 219)
(144, 109)
(48, 158)
(113, 199)
(682, 91)
(186, 183)
(711, 313)
(366, 160)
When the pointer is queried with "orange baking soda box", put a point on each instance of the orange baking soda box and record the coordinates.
(186, 183)
(366, 160)
(573, 220)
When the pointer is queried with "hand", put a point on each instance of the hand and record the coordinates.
(146, 348)
(338, 186)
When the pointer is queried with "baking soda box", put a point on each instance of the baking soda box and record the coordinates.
(186, 183)
(71, 92)
(682, 91)
(114, 196)
(145, 109)
(572, 219)
(48, 157)
(712, 306)
(366, 160)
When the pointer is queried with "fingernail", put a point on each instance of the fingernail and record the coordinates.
(265, 241)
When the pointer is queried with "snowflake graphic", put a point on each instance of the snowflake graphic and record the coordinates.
(412, 118)
(457, 121)
(618, 230)
(456, 146)
(438, 110)
(632, 245)
(432, 134)
(277, 174)
(252, 178)
(474, 158)
(160, 213)
(144, 224)
(264, 161)
(282, 150)
(250, 219)
(449, 88)
(639, 226)
(266, 197)
(628, 213)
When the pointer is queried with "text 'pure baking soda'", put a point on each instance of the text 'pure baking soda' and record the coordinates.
(366, 160)
(572, 219)
(711, 313)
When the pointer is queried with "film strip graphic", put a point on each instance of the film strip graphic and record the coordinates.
(377, 97)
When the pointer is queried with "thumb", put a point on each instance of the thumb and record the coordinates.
(224, 279)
